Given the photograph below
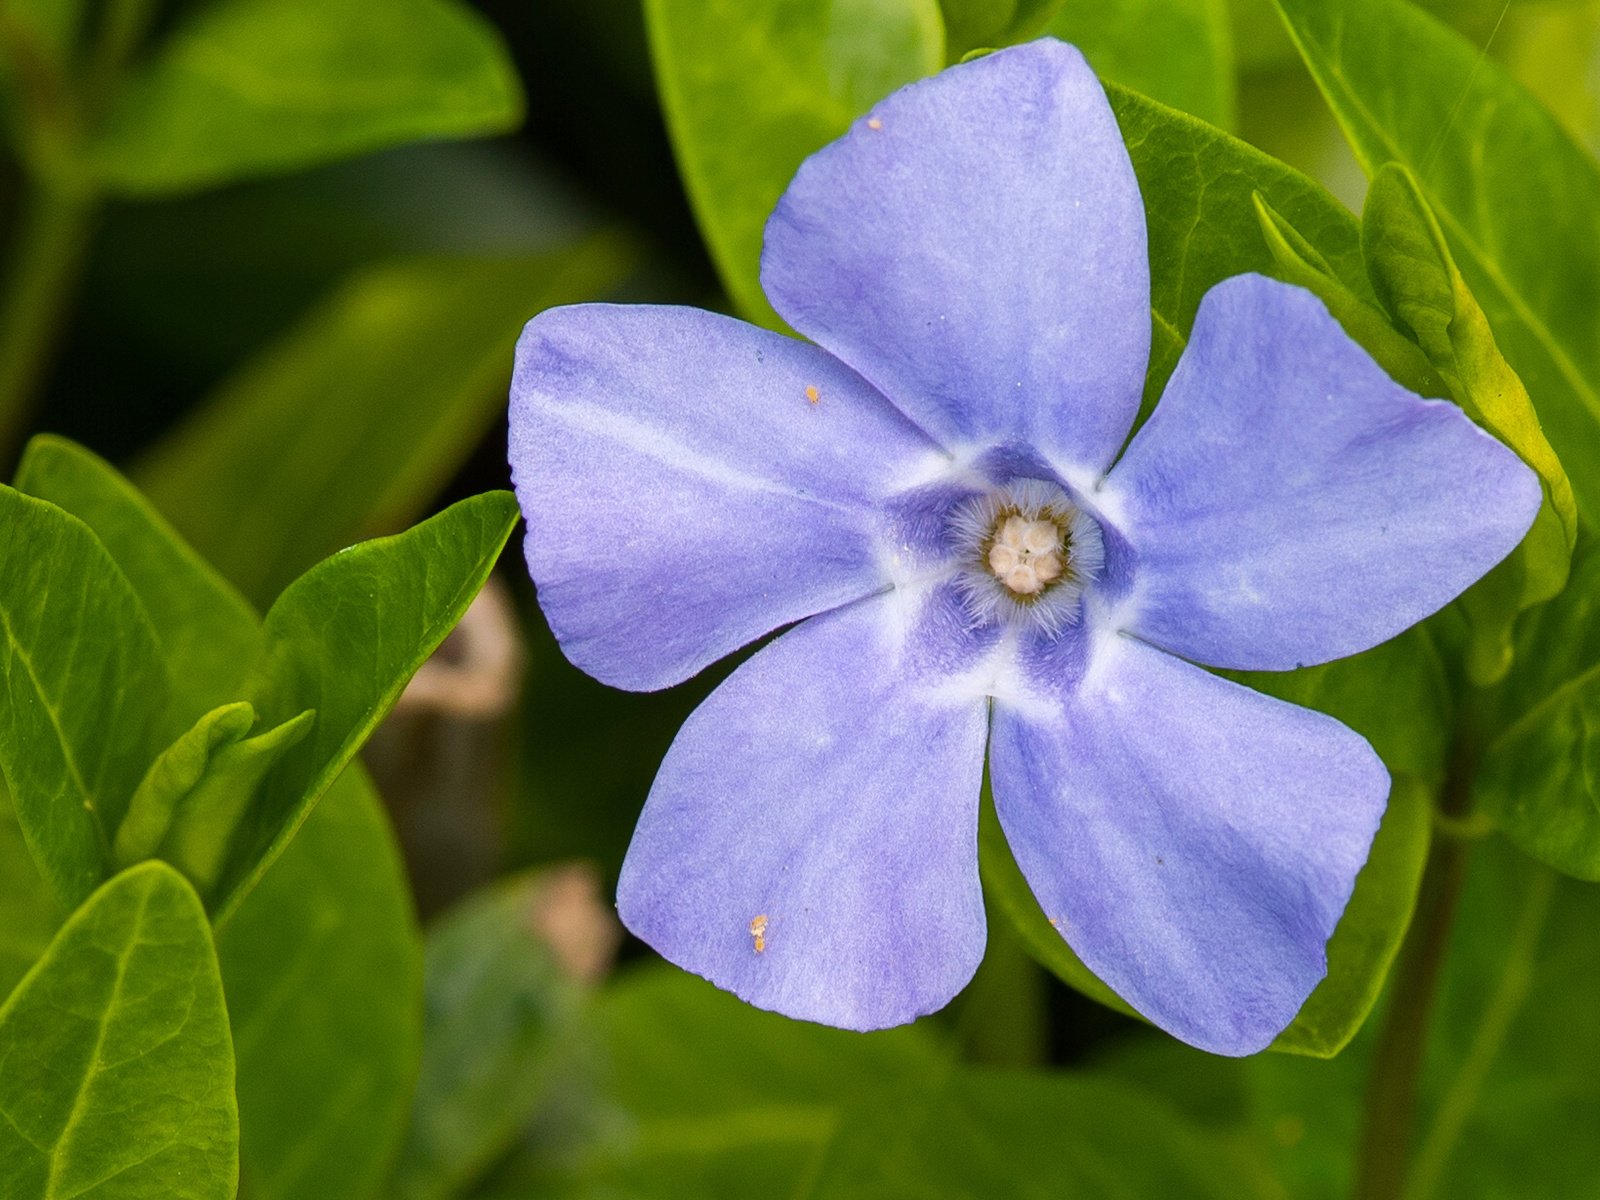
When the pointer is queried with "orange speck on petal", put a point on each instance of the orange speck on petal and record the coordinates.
(758, 931)
(812, 395)
(874, 123)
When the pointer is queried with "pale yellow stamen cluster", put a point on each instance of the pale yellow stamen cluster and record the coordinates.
(1027, 555)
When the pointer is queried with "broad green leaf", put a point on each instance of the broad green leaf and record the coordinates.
(344, 639)
(1299, 263)
(351, 424)
(251, 87)
(1518, 202)
(29, 912)
(1417, 281)
(1178, 52)
(751, 87)
(118, 1081)
(1199, 186)
(207, 631)
(323, 968)
(988, 24)
(171, 777)
(83, 690)
(500, 1018)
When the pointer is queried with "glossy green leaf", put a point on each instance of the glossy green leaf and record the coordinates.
(206, 629)
(988, 24)
(29, 911)
(83, 690)
(1298, 262)
(500, 1018)
(751, 87)
(349, 426)
(251, 87)
(344, 639)
(118, 1081)
(1417, 281)
(1518, 202)
(1199, 186)
(323, 968)
(1178, 52)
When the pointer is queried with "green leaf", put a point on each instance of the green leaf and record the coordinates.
(29, 913)
(751, 87)
(207, 631)
(1509, 1067)
(171, 777)
(1518, 202)
(1199, 186)
(1299, 263)
(83, 690)
(500, 1018)
(344, 639)
(1416, 278)
(987, 24)
(323, 968)
(252, 87)
(1178, 52)
(270, 476)
(119, 1068)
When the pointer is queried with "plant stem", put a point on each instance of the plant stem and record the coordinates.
(47, 256)
(1391, 1099)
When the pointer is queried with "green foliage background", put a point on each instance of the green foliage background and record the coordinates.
(261, 266)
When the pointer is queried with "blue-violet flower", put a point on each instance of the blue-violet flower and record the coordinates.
(931, 487)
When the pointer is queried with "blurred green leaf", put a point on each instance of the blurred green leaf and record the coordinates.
(751, 87)
(205, 627)
(989, 24)
(29, 913)
(119, 1067)
(83, 690)
(250, 87)
(350, 426)
(1518, 202)
(344, 639)
(1199, 186)
(1299, 263)
(323, 968)
(1417, 281)
(500, 1016)
(1014, 1133)
(1508, 1077)
(1177, 52)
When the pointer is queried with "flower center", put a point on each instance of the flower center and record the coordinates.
(1027, 555)
(1026, 551)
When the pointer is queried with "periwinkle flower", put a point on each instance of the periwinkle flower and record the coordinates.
(932, 488)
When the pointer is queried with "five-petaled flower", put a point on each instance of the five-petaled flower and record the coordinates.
(932, 488)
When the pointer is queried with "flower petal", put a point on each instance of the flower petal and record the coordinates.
(825, 800)
(1194, 841)
(1290, 504)
(691, 483)
(975, 246)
